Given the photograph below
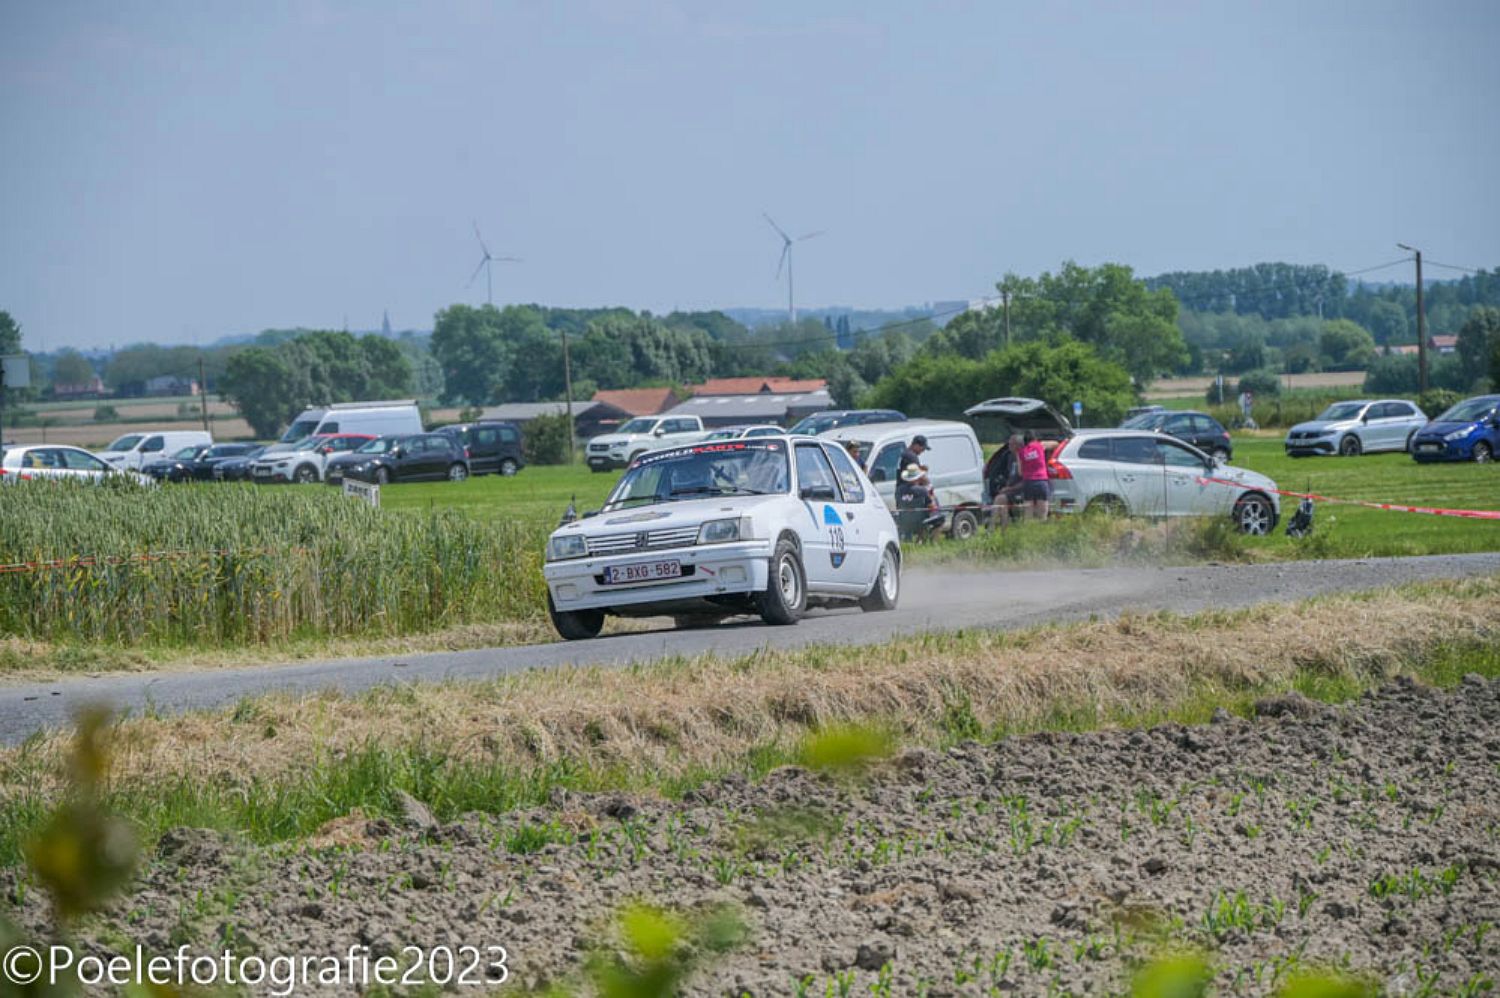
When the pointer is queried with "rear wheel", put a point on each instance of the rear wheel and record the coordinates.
(457, 472)
(786, 591)
(887, 588)
(1349, 446)
(1105, 506)
(1253, 515)
(575, 625)
(1483, 453)
(965, 525)
(509, 467)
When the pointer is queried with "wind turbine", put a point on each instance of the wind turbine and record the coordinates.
(484, 265)
(786, 261)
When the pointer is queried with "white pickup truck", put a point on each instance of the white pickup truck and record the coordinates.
(644, 433)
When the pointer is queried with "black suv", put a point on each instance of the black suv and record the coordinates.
(1197, 428)
(493, 446)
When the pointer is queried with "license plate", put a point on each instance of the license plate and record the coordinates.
(1429, 447)
(263, 472)
(646, 571)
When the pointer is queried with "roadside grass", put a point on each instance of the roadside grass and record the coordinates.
(278, 768)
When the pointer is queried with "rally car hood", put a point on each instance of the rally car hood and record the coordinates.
(667, 515)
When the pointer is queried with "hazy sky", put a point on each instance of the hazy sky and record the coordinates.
(181, 170)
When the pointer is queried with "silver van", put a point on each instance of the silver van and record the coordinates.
(954, 460)
(394, 418)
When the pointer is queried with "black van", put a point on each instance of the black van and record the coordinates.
(493, 446)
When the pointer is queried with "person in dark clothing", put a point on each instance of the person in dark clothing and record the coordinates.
(912, 455)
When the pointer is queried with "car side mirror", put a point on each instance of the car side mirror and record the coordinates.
(398, 452)
(1365, 418)
(878, 475)
(660, 431)
(818, 493)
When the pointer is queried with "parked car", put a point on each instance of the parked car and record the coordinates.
(41, 462)
(832, 419)
(1144, 473)
(237, 469)
(1469, 431)
(136, 450)
(1141, 410)
(1197, 428)
(999, 418)
(372, 419)
(748, 432)
(304, 462)
(644, 433)
(954, 460)
(493, 446)
(1357, 427)
(766, 526)
(202, 467)
(422, 457)
(174, 468)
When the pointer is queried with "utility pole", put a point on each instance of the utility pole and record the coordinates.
(1005, 303)
(202, 393)
(568, 392)
(1421, 322)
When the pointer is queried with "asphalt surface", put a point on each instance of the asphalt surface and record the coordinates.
(950, 599)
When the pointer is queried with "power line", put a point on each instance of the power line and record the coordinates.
(1454, 266)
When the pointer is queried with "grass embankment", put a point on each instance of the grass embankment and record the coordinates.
(278, 768)
(205, 567)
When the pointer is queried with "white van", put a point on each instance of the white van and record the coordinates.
(378, 419)
(954, 460)
(135, 450)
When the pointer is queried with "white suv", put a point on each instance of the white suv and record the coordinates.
(764, 526)
(640, 435)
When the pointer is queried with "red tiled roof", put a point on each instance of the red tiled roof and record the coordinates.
(1444, 341)
(638, 401)
(758, 386)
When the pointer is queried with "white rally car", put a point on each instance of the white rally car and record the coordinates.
(766, 526)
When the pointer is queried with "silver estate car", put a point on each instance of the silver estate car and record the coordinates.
(1357, 427)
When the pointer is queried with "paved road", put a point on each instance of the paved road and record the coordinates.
(946, 600)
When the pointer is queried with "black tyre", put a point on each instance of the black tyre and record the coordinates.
(786, 591)
(305, 475)
(457, 472)
(965, 525)
(1410, 439)
(509, 467)
(1483, 453)
(1349, 446)
(887, 589)
(575, 625)
(634, 456)
(1254, 515)
(1106, 506)
(382, 476)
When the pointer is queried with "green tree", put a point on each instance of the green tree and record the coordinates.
(10, 335)
(72, 368)
(546, 440)
(1478, 336)
(468, 346)
(260, 386)
(1387, 322)
(1347, 345)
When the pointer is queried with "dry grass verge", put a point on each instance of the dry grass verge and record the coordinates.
(674, 719)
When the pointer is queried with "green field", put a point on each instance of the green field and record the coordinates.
(537, 496)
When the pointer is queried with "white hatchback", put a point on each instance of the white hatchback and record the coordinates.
(767, 526)
(42, 462)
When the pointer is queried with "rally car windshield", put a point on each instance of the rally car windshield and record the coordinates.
(737, 468)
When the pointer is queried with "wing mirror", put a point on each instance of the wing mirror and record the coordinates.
(818, 493)
(660, 431)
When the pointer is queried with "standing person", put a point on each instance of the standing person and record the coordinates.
(913, 454)
(1035, 487)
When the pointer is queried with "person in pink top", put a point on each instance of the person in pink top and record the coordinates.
(1036, 489)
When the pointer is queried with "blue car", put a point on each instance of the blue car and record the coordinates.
(1470, 431)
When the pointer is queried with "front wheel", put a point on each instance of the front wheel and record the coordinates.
(1483, 453)
(887, 588)
(965, 525)
(305, 475)
(1254, 516)
(509, 467)
(382, 476)
(786, 591)
(575, 625)
(457, 472)
(1410, 440)
(1349, 447)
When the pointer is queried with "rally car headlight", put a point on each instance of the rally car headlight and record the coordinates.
(719, 531)
(566, 546)
(1456, 435)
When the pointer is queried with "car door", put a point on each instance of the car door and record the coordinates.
(484, 449)
(83, 465)
(1139, 474)
(1187, 489)
(434, 457)
(861, 533)
(823, 526)
(883, 470)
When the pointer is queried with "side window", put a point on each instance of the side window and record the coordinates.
(680, 426)
(883, 468)
(152, 445)
(329, 428)
(509, 434)
(767, 432)
(78, 460)
(1202, 425)
(1134, 450)
(848, 475)
(1178, 424)
(1409, 411)
(813, 469)
(486, 436)
(1174, 456)
(1096, 449)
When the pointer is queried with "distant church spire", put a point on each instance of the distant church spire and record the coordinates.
(385, 323)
